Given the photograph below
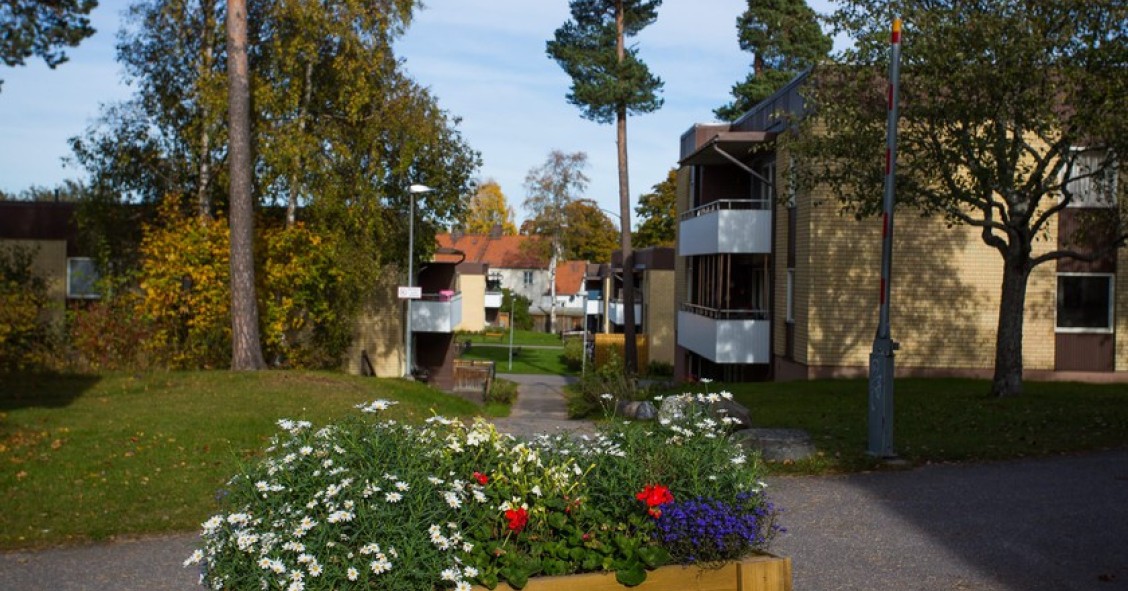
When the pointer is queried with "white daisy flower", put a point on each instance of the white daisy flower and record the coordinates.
(352, 574)
(393, 497)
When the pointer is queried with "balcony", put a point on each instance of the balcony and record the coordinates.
(493, 299)
(436, 312)
(616, 311)
(726, 226)
(725, 336)
(594, 306)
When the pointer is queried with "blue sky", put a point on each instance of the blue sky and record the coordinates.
(483, 59)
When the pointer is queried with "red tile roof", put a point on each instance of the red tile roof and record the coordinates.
(502, 252)
(570, 277)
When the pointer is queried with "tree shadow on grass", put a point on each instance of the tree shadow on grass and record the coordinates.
(42, 390)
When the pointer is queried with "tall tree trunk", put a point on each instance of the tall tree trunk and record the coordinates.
(246, 353)
(207, 59)
(630, 345)
(1008, 340)
(303, 115)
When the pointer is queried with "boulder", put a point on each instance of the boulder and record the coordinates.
(777, 444)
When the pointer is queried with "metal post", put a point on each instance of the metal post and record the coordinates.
(583, 341)
(408, 357)
(512, 317)
(881, 358)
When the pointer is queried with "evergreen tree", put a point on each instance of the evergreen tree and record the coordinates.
(784, 38)
(36, 28)
(609, 81)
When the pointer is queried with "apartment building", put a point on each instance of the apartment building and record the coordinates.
(654, 299)
(772, 283)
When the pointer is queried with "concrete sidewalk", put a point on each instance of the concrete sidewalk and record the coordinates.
(1053, 524)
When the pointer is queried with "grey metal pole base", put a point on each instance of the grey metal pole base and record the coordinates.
(881, 399)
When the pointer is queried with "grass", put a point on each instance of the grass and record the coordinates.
(92, 457)
(527, 361)
(520, 337)
(940, 420)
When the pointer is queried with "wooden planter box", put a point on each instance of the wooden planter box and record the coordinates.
(755, 573)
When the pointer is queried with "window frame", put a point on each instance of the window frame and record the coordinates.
(1091, 202)
(91, 295)
(1110, 329)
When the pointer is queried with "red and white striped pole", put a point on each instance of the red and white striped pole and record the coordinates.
(881, 358)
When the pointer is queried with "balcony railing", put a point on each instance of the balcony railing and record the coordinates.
(725, 204)
(726, 226)
(725, 336)
(493, 299)
(437, 312)
(716, 314)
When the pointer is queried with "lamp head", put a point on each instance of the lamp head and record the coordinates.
(420, 189)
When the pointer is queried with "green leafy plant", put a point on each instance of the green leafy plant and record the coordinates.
(26, 334)
(445, 504)
(502, 392)
(609, 381)
(573, 355)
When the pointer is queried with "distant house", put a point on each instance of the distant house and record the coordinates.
(654, 299)
(773, 283)
(515, 263)
(48, 230)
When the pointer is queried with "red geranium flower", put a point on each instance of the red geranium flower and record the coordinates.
(481, 478)
(517, 518)
(655, 495)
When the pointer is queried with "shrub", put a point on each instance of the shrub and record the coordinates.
(109, 335)
(402, 507)
(502, 392)
(588, 397)
(26, 334)
(573, 355)
(659, 369)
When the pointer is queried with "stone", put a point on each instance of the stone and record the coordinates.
(777, 445)
(733, 409)
(645, 411)
(673, 408)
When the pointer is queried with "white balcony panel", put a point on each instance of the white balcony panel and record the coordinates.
(725, 341)
(435, 315)
(493, 299)
(617, 311)
(727, 231)
(595, 307)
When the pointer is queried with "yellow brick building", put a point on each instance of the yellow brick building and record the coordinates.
(771, 285)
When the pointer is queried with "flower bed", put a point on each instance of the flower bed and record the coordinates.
(382, 504)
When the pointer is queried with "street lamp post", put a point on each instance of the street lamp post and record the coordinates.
(413, 190)
(583, 341)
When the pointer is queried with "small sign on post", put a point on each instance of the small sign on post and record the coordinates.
(410, 293)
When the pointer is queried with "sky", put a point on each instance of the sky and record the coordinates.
(485, 62)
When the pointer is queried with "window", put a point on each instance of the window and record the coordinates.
(528, 278)
(763, 189)
(1092, 180)
(1084, 302)
(82, 277)
(791, 295)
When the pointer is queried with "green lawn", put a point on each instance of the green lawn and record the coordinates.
(89, 457)
(527, 360)
(940, 420)
(520, 337)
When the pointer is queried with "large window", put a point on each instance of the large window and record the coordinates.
(1092, 180)
(82, 278)
(1084, 302)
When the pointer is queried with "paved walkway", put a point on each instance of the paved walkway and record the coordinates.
(1055, 524)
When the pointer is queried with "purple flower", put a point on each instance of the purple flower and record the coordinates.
(709, 530)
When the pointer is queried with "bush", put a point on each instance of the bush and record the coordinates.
(601, 388)
(502, 392)
(401, 507)
(573, 355)
(26, 334)
(659, 369)
(109, 335)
